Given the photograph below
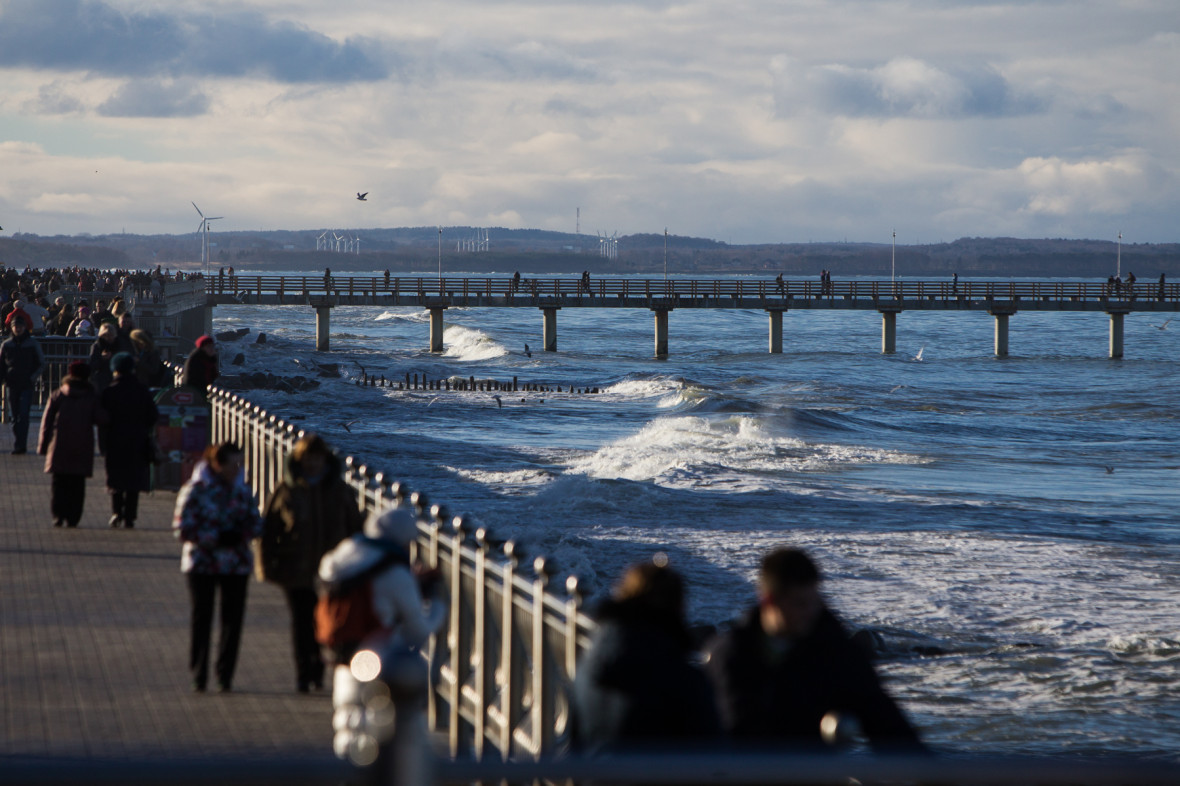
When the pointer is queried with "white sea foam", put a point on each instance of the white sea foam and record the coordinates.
(519, 481)
(406, 314)
(643, 388)
(467, 344)
(734, 451)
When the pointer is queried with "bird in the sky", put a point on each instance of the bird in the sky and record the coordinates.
(1163, 326)
(361, 197)
(348, 426)
(526, 350)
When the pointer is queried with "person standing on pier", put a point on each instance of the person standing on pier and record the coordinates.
(216, 517)
(201, 368)
(310, 512)
(788, 666)
(133, 417)
(67, 442)
(21, 361)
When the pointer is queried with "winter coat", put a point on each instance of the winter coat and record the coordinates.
(67, 428)
(200, 370)
(779, 698)
(150, 369)
(216, 522)
(101, 353)
(21, 360)
(305, 521)
(637, 686)
(397, 600)
(132, 419)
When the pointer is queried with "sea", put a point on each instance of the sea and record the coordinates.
(1005, 527)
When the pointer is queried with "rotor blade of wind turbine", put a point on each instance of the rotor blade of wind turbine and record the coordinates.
(214, 218)
(199, 213)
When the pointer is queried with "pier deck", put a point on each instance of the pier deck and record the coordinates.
(94, 642)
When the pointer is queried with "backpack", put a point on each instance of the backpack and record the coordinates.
(344, 613)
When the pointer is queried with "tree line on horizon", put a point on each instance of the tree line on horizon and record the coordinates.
(540, 251)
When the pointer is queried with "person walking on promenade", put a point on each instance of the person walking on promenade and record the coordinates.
(788, 663)
(201, 367)
(216, 517)
(377, 559)
(148, 365)
(105, 347)
(310, 512)
(67, 442)
(636, 686)
(21, 361)
(132, 418)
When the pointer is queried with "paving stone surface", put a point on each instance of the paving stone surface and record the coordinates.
(94, 641)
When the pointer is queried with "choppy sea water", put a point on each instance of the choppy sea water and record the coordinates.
(1008, 526)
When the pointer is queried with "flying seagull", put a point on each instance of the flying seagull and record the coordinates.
(349, 424)
(526, 350)
(918, 357)
(499, 403)
(1163, 326)
(361, 197)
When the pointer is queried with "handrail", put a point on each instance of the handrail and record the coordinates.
(505, 664)
(767, 289)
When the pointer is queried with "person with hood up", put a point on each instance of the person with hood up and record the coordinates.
(67, 442)
(216, 517)
(397, 604)
(201, 368)
(132, 419)
(637, 687)
(308, 514)
(21, 361)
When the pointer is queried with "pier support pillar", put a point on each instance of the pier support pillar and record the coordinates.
(661, 332)
(436, 328)
(1116, 334)
(549, 328)
(207, 318)
(1001, 332)
(888, 332)
(323, 326)
(776, 331)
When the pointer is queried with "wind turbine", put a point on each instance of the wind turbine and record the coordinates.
(320, 243)
(203, 228)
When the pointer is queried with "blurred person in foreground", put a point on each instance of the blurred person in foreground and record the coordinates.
(637, 687)
(308, 514)
(376, 563)
(132, 420)
(788, 663)
(67, 442)
(216, 517)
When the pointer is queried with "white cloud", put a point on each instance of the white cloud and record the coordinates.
(747, 121)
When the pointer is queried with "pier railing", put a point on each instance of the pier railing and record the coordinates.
(295, 287)
(502, 670)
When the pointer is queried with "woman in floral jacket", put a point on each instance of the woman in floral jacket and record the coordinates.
(216, 518)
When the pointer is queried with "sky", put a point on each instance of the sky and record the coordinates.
(745, 121)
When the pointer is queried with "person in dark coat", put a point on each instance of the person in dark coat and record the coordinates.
(148, 366)
(105, 347)
(21, 361)
(788, 663)
(201, 368)
(308, 514)
(67, 442)
(132, 418)
(637, 687)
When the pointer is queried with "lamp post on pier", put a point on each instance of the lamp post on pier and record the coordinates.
(893, 261)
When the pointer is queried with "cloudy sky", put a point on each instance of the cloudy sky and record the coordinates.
(742, 120)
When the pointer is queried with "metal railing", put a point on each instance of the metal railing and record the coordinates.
(295, 287)
(502, 671)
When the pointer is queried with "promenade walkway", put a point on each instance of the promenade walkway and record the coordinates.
(94, 642)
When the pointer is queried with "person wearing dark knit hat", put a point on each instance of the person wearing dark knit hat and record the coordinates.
(67, 442)
(201, 368)
(133, 415)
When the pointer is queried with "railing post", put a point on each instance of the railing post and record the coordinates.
(509, 689)
(458, 637)
(542, 689)
(479, 644)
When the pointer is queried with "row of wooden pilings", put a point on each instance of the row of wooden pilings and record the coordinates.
(471, 384)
